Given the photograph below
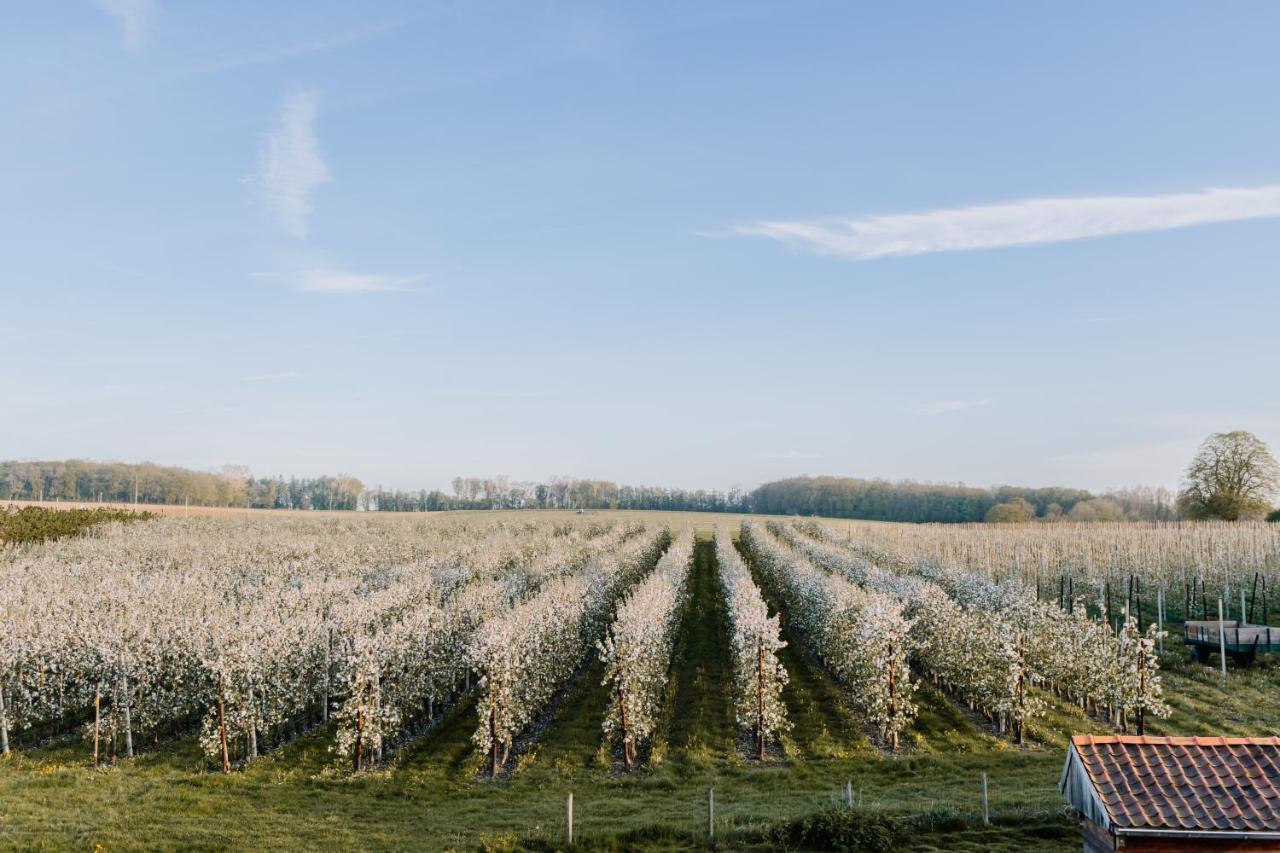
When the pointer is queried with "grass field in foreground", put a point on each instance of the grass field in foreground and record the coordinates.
(430, 796)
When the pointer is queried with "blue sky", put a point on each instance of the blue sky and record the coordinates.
(702, 244)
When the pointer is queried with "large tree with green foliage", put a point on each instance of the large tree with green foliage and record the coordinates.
(1233, 476)
(1015, 511)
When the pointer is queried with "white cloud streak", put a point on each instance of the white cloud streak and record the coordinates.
(283, 375)
(290, 165)
(946, 407)
(134, 17)
(333, 280)
(1022, 223)
(299, 50)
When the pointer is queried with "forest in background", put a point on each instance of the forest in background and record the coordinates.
(832, 497)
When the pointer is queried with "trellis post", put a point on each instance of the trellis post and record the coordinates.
(1160, 617)
(569, 818)
(1222, 639)
(986, 805)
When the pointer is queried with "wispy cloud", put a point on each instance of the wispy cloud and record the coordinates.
(290, 165)
(945, 407)
(1021, 223)
(283, 375)
(134, 17)
(333, 280)
(322, 44)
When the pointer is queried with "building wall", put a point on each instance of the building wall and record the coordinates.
(1096, 839)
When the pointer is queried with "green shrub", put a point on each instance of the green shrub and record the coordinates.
(1274, 515)
(39, 524)
(842, 829)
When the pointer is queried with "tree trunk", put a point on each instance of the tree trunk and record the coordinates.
(4, 724)
(493, 741)
(359, 733)
(760, 699)
(222, 725)
(128, 720)
(626, 735)
(328, 644)
(97, 722)
(1020, 723)
(893, 702)
(1142, 690)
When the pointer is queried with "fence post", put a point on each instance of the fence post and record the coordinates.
(711, 812)
(569, 818)
(1160, 616)
(1222, 639)
(986, 807)
(848, 793)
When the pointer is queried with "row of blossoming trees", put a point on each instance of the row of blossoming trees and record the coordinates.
(528, 653)
(637, 650)
(858, 633)
(1110, 565)
(993, 643)
(758, 675)
(252, 631)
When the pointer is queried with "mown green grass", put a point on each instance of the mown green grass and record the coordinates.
(431, 795)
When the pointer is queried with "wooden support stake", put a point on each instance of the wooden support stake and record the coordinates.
(1222, 639)
(569, 818)
(848, 794)
(1253, 597)
(222, 725)
(760, 697)
(711, 812)
(97, 723)
(1160, 617)
(1137, 599)
(986, 805)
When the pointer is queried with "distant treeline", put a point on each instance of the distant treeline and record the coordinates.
(834, 497)
(119, 482)
(881, 500)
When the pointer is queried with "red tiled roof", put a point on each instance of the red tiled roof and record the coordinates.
(1184, 783)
